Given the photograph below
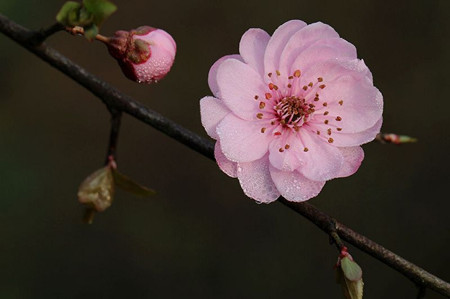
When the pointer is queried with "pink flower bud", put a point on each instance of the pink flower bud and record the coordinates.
(145, 54)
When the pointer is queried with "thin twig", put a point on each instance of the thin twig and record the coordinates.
(43, 34)
(114, 98)
(421, 292)
(116, 117)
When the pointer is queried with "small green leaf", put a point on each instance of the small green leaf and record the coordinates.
(91, 32)
(351, 270)
(85, 18)
(67, 11)
(100, 9)
(129, 185)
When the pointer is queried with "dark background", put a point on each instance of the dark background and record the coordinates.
(200, 236)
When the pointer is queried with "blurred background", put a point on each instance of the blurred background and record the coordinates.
(200, 236)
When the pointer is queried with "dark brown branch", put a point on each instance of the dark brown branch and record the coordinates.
(121, 102)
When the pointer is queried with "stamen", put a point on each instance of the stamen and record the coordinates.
(281, 150)
(338, 118)
(297, 73)
(305, 149)
(341, 102)
(326, 113)
(330, 140)
(329, 131)
(278, 73)
(320, 79)
(322, 86)
(263, 130)
(268, 95)
(339, 129)
(326, 122)
(269, 74)
(287, 146)
(262, 105)
(259, 115)
(256, 97)
(318, 132)
(325, 104)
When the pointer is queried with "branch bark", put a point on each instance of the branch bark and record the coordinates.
(114, 99)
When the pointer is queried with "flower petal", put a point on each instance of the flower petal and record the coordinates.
(294, 186)
(301, 40)
(353, 139)
(285, 151)
(320, 51)
(252, 48)
(241, 140)
(322, 161)
(277, 43)
(256, 181)
(353, 157)
(212, 75)
(212, 111)
(238, 85)
(361, 108)
(227, 166)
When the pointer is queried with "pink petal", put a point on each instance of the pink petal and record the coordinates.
(331, 70)
(294, 186)
(353, 157)
(322, 161)
(277, 43)
(288, 158)
(227, 166)
(301, 40)
(252, 48)
(361, 108)
(256, 181)
(212, 111)
(241, 140)
(238, 85)
(353, 139)
(212, 75)
(320, 51)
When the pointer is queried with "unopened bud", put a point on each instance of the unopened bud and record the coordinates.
(349, 276)
(145, 54)
(97, 190)
(395, 139)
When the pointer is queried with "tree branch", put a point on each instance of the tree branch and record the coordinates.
(114, 99)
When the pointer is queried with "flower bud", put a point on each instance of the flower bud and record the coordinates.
(145, 54)
(97, 190)
(349, 276)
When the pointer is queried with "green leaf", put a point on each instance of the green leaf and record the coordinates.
(91, 32)
(100, 9)
(84, 18)
(129, 185)
(352, 270)
(67, 11)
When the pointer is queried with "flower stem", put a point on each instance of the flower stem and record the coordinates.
(77, 30)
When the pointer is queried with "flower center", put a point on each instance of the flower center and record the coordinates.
(293, 111)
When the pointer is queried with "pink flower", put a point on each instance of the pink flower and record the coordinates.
(291, 111)
(145, 54)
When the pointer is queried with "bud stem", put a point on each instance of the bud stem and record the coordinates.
(88, 216)
(77, 30)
